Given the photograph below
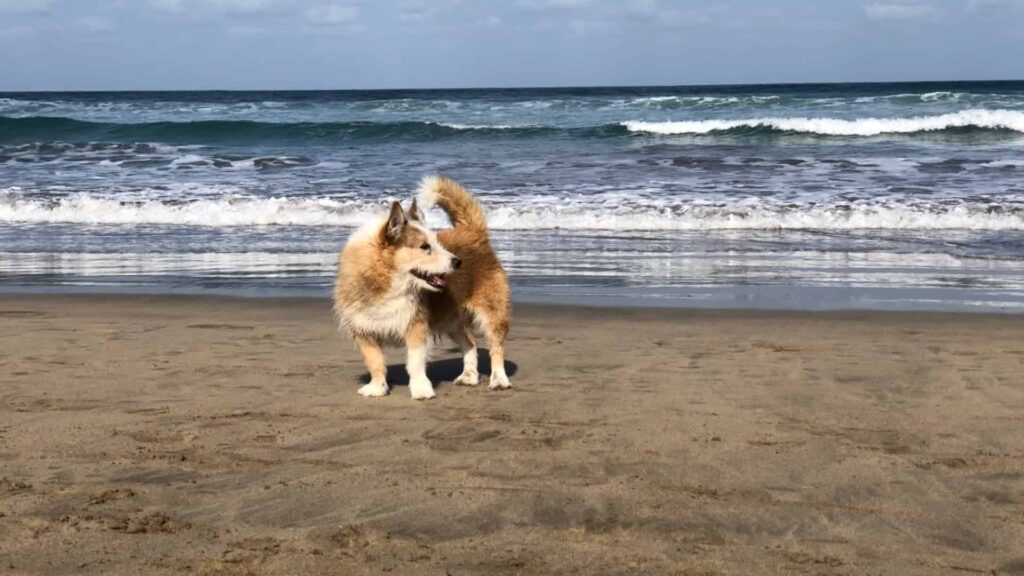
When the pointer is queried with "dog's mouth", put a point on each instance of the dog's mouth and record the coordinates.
(438, 281)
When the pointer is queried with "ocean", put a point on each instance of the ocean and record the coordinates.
(814, 196)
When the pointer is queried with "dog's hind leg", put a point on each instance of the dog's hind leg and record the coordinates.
(373, 356)
(494, 322)
(420, 387)
(464, 338)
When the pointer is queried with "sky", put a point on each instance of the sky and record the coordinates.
(360, 44)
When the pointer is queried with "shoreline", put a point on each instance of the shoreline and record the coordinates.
(552, 300)
(216, 435)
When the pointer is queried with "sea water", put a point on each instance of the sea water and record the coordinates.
(904, 196)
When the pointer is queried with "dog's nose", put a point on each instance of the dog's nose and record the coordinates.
(456, 262)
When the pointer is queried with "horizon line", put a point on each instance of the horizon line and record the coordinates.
(536, 87)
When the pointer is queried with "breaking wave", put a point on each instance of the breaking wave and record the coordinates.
(528, 213)
(50, 129)
(44, 128)
(977, 118)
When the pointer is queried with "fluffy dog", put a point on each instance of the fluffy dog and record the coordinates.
(400, 282)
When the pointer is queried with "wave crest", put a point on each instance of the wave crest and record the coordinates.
(48, 128)
(973, 118)
(56, 129)
(528, 213)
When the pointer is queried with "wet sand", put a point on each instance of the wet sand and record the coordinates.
(178, 435)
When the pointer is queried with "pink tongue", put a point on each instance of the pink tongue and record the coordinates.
(439, 280)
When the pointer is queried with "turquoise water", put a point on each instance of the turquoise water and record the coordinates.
(796, 196)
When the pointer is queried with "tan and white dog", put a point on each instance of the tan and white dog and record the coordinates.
(399, 282)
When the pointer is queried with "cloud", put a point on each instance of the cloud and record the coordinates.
(247, 31)
(215, 6)
(168, 5)
(25, 6)
(417, 11)
(647, 7)
(335, 14)
(593, 17)
(94, 24)
(553, 4)
(489, 21)
(1013, 6)
(17, 33)
(333, 18)
(900, 11)
(242, 6)
(651, 12)
(86, 25)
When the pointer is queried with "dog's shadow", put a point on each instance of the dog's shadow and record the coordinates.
(444, 371)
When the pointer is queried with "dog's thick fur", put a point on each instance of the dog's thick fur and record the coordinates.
(400, 282)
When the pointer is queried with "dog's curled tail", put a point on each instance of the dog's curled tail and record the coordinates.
(463, 210)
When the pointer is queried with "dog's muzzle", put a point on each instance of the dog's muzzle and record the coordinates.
(438, 281)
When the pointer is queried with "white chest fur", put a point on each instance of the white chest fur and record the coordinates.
(389, 317)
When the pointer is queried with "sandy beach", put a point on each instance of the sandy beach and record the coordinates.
(188, 435)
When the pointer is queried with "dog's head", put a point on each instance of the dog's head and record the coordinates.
(418, 254)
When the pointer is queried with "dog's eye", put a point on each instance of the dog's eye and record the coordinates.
(425, 246)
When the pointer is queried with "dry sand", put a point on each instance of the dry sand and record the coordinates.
(155, 435)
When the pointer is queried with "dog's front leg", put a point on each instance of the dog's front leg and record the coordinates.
(373, 356)
(416, 339)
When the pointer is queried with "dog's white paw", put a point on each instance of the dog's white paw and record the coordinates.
(468, 378)
(421, 389)
(374, 389)
(499, 382)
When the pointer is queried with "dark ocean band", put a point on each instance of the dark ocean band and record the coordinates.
(46, 129)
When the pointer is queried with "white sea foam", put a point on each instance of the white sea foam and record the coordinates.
(188, 159)
(151, 111)
(754, 214)
(976, 117)
(593, 108)
(225, 210)
(600, 212)
(205, 264)
(698, 102)
(1004, 164)
(940, 96)
(457, 126)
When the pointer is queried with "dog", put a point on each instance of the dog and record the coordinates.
(399, 282)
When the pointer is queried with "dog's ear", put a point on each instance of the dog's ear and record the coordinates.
(414, 212)
(396, 223)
